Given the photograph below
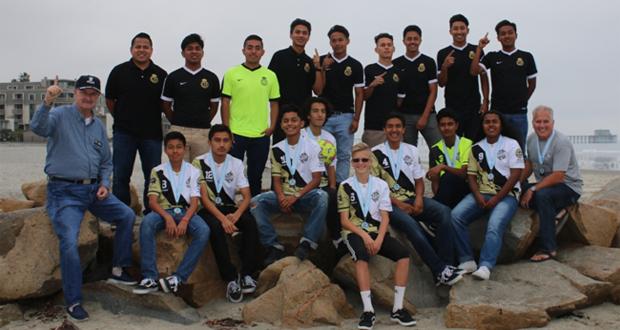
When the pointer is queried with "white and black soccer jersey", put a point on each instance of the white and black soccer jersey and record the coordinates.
(509, 75)
(507, 154)
(462, 90)
(409, 168)
(416, 74)
(191, 94)
(340, 79)
(349, 201)
(165, 184)
(327, 142)
(305, 155)
(384, 97)
(230, 172)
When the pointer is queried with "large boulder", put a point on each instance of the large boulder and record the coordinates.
(10, 313)
(381, 281)
(29, 254)
(590, 224)
(302, 297)
(9, 205)
(522, 295)
(599, 263)
(203, 285)
(518, 236)
(36, 191)
(120, 299)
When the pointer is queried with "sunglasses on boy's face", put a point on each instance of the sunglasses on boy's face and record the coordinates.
(363, 160)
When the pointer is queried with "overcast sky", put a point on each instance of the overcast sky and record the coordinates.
(576, 44)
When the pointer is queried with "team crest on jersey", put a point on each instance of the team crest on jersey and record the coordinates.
(471, 54)
(520, 61)
(395, 77)
(153, 180)
(229, 177)
(187, 182)
(408, 160)
(263, 81)
(440, 158)
(519, 153)
(348, 71)
(204, 83)
(375, 196)
(480, 156)
(501, 155)
(303, 157)
(421, 67)
(154, 79)
(307, 67)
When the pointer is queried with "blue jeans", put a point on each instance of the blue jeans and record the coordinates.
(267, 205)
(66, 204)
(468, 211)
(519, 123)
(430, 132)
(437, 215)
(123, 157)
(153, 223)
(257, 150)
(547, 202)
(339, 126)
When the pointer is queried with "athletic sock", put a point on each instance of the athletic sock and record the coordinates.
(399, 295)
(117, 271)
(366, 301)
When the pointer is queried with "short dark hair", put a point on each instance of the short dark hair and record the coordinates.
(217, 128)
(308, 107)
(142, 35)
(503, 23)
(301, 21)
(459, 18)
(253, 37)
(383, 35)
(338, 28)
(396, 115)
(290, 108)
(508, 129)
(190, 39)
(412, 28)
(447, 112)
(174, 135)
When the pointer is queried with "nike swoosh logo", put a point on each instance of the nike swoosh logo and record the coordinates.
(183, 83)
(498, 62)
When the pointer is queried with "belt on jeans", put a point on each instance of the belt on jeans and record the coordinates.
(75, 181)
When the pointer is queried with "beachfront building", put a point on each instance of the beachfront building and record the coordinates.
(20, 98)
(600, 136)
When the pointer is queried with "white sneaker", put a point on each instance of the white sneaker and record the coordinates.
(483, 273)
(468, 266)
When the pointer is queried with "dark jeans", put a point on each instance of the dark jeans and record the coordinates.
(452, 189)
(469, 122)
(437, 215)
(257, 150)
(124, 155)
(249, 243)
(519, 125)
(548, 202)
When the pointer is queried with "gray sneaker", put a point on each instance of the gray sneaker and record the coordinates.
(170, 284)
(248, 284)
(233, 292)
(147, 285)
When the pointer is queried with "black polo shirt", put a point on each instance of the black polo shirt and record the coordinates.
(191, 94)
(137, 110)
(416, 75)
(462, 90)
(296, 75)
(383, 98)
(509, 75)
(340, 79)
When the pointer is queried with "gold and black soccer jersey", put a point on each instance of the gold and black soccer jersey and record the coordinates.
(233, 178)
(410, 169)
(164, 181)
(349, 201)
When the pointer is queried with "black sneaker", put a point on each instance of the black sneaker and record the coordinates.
(428, 228)
(124, 279)
(248, 284)
(147, 285)
(233, 292)
(170, 284)
(403, 318)
(303, 250)
(449, 276)
(77, 313)
(273, 255)
(367, 320)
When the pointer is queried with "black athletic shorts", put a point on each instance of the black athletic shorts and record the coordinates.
(391, 247)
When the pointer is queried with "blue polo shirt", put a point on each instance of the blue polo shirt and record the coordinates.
(75, 150)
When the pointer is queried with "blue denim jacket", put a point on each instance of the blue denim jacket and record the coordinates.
(74, 150)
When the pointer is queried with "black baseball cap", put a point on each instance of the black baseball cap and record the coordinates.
(87, 81)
